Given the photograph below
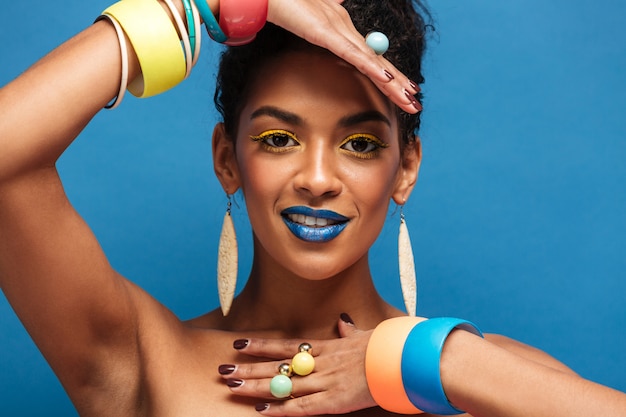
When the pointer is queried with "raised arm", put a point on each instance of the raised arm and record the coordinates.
(52, 270)
(82, 315)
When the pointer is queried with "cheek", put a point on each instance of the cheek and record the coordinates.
(375, 186)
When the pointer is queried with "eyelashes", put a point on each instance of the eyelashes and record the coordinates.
(363, 145)
(359, 145)
(277, 140)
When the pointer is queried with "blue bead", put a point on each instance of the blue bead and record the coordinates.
(378, 41)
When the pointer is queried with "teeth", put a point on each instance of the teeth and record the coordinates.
(308, 220)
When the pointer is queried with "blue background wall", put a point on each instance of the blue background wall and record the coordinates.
(518, 221)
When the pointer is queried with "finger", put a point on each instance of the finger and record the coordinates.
(308, 405)
(346, 326)
(249, 371)
(260, 388)
(278, 349)
(353, 49)
(325, 402)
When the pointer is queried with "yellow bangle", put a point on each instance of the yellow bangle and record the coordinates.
(156, 43)
(383, 361)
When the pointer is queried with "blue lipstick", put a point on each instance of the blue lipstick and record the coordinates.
(314, 225)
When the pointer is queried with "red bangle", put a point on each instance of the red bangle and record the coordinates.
(240, 20)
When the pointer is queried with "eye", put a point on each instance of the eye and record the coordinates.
(363, 145)
(276, 140)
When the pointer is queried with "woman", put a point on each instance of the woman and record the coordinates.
(308, 137)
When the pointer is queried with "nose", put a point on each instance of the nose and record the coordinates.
(317, 175)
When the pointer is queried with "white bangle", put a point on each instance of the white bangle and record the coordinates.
(182, 30)
(124, 54)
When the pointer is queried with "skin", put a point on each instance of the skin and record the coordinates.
(116, 350)
(102, 335)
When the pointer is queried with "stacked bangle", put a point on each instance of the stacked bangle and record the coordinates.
(214, 30)
(240, 20)
(124, 59)
(383, 365)
(409, 382)
(156, 42)
(191, 24)
(184, 35)
(156, 45)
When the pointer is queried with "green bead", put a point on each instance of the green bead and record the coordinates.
(280, 386)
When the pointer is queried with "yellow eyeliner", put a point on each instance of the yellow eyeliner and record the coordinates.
(275, 134)
(367, 138)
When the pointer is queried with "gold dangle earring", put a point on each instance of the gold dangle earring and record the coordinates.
(227, 260)
(406, 263)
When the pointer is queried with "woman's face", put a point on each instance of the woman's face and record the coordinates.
(318, 159)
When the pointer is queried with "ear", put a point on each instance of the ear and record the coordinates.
(225, 160)
(407, 177)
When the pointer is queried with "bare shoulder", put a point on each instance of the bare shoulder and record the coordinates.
(527, 351)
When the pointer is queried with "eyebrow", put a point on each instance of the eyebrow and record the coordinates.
(366, 116)
(347, 121)
(277, 113)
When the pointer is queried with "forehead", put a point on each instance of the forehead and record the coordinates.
(317, 86)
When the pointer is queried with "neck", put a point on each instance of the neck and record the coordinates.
(287, 306)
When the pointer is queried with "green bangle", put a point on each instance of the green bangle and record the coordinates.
(191, 26)
(215, 32)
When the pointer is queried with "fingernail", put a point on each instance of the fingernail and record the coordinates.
(261, 407)
(388, 74)
(414, 86)
(416, 104)
(234, 383)
(346, 318)
(226, 369)
(240, 343)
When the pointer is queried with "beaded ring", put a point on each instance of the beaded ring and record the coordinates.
(378, 41)
(281, 385)
(303, 362)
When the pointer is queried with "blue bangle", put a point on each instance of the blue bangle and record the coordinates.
(215, 32)
(420, 363)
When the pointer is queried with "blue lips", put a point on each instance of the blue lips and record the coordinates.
(317, 234)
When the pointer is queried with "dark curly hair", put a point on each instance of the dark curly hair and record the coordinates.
(403, 21)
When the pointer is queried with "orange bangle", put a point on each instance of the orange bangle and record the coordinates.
(383, 361)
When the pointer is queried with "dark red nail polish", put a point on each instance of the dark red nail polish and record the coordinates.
(261, 407)
(234, 383)
(240, 343)
(346, 318)
(388, 74)
(409, 97)
(416, 104)
(226, 369)
(414, 86)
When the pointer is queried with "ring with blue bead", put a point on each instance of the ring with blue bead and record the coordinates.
(378, 41)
